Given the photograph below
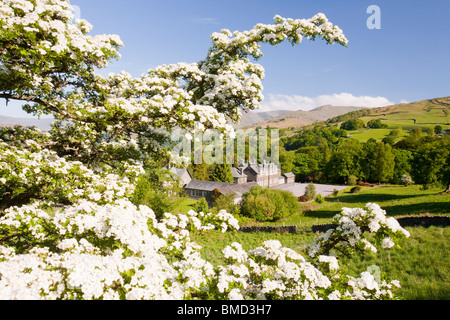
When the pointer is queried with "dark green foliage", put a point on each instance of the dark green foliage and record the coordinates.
(222, 173)
(353, 124)
(149, 191)
(326, 154)
(351, 115)
(345, 161)
(389, 140)
(378, 161)
(376, 124)
(199, 171)
(145, 194)
(201, 206)
(403, 159)
(225, 202)
(438, 129)
(287, 161)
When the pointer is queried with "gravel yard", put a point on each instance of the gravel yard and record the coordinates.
(298, 189)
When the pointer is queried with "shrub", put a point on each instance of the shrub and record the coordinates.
(335, 192)
(201, 206)
(102, 246)
(353, 124)
(356, 189)
(310, 192)
(225, 202)
(406, 180)
(438, 129)
(351, 180)
(268, 205)
(320, 199)
(146, 194)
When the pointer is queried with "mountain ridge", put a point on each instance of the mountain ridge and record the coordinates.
(298, 118)
(41, 124)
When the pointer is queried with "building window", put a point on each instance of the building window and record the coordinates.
(197, 193)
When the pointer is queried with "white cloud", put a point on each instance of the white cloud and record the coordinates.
(296, 102)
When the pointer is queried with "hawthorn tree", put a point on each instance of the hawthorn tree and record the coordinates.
(49, 62)
(96, 243)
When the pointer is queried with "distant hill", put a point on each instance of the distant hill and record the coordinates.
(252, 117)
(424, 114)
(296, 119)
(42, 124)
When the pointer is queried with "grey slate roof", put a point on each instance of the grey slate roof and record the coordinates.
(224, 188)
(183, 174)
(206, 185)
(237, 189)
(237, 173)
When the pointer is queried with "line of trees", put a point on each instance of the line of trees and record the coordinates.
(328, 155)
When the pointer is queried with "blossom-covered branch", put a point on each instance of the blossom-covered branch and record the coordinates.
(351, 224)
(49, 61)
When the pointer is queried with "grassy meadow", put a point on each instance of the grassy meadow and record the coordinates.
(424, 114)
(422, 263)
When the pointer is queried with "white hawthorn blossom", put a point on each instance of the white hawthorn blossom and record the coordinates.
(68, 229)
(351, 224)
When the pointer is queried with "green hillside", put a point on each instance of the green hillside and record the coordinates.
(425, 114)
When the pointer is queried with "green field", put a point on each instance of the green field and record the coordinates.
(396, 200)
(424, 114)
(363, 135)
(422, 264)
(184, 205)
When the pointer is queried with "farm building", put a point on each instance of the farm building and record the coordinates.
(245, 176)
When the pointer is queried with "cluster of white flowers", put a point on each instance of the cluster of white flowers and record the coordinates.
(351, 225)
(120, 251)
(270, 272)
(202, 221)
(103, 251)
(54, 20)
(366, 286)
(332, 262)
(44, 174)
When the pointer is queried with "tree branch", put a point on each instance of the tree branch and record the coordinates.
(39, 101)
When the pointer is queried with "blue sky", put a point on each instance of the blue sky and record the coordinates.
(404, 61)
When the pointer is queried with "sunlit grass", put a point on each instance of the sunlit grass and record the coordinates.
(421, 264)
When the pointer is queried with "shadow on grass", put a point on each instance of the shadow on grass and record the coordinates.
(325, 214)
(374, 197)
(436, 208)
(418, 208)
